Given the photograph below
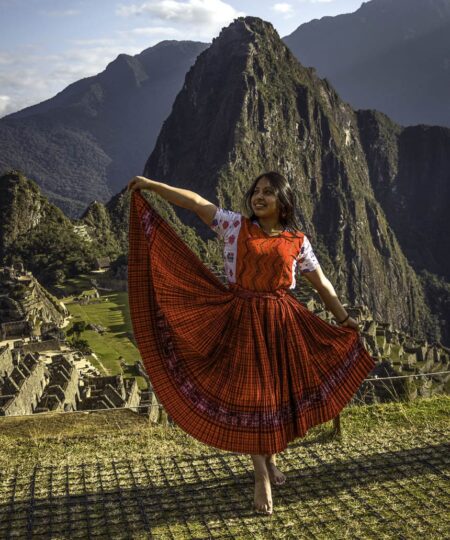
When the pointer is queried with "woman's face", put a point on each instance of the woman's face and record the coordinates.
(264, 201)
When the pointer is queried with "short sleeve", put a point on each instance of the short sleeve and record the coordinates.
(226, 223)
(307, 259)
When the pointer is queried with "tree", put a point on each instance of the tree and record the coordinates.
(77, 328)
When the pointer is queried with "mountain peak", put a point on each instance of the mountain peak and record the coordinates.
(236, 84)
(244, 30)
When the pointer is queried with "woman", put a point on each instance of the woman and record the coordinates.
(245, 368)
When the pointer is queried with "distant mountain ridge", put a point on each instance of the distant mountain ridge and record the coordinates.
(389, 55)
(85, 143)
(90, 139)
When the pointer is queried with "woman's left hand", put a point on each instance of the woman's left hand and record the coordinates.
(351, 323)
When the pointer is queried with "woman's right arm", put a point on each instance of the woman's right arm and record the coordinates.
(181, 197)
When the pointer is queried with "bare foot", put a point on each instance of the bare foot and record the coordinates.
(263, 493)
(275, 475)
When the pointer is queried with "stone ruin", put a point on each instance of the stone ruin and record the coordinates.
(25, 305)
(31, 383)
(88, 297)
(37, 372)
(109, 392)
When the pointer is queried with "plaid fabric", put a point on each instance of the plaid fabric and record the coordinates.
(240, 370)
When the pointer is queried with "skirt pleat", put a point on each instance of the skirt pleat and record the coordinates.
(238, 371)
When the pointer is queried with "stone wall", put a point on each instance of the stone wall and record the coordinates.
(41, 346)
(109, 392)
(62, 391)
(6, 360)
(23, 387)
(15, 329)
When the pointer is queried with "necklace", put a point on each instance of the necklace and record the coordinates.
(269, 233)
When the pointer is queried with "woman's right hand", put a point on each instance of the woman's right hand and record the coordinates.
(351, 323)
(139, 182)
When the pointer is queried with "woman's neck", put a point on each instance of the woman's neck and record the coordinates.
(270, 225)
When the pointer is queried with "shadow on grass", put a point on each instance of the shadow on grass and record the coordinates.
(213, 494)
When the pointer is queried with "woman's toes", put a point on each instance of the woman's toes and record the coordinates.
(276, 476)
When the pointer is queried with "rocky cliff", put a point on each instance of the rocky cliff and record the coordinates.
(409, 170)
(248, 105)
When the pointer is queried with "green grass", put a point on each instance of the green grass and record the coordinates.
(112, 312)
(394, 352)
(381, 479)
(73, 286)
(79, 436)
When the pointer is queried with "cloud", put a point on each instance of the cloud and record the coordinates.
(284, 8)
(32, 77)
(93, 41)
(4, 102)
(80, 62)
(201, 18)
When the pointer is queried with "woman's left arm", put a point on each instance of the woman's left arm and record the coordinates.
(329, 297)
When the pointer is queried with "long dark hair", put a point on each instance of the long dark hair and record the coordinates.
(284, 193)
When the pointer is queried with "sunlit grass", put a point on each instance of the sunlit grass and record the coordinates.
(79, 436)
(110, 311)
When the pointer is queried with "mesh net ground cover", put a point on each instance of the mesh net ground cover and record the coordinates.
(389, 483)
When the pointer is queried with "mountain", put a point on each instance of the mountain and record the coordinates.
(409, 169)
(38, 234)
(248, 105)
(86, 142)
(108, 223)
(53, 247)
(389, 55)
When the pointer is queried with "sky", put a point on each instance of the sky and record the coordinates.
(45, 45)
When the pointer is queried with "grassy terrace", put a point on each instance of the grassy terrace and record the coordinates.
(112, 475)
(113, 314)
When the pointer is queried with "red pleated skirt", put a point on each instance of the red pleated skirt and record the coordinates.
(238, 370)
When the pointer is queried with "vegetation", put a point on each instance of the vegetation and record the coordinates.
(52, 253)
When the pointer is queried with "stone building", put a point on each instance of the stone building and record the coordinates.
(109, 392)
(22, 387)
(103, 263)
(15, 329)
(62, 390)
(25, 304)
